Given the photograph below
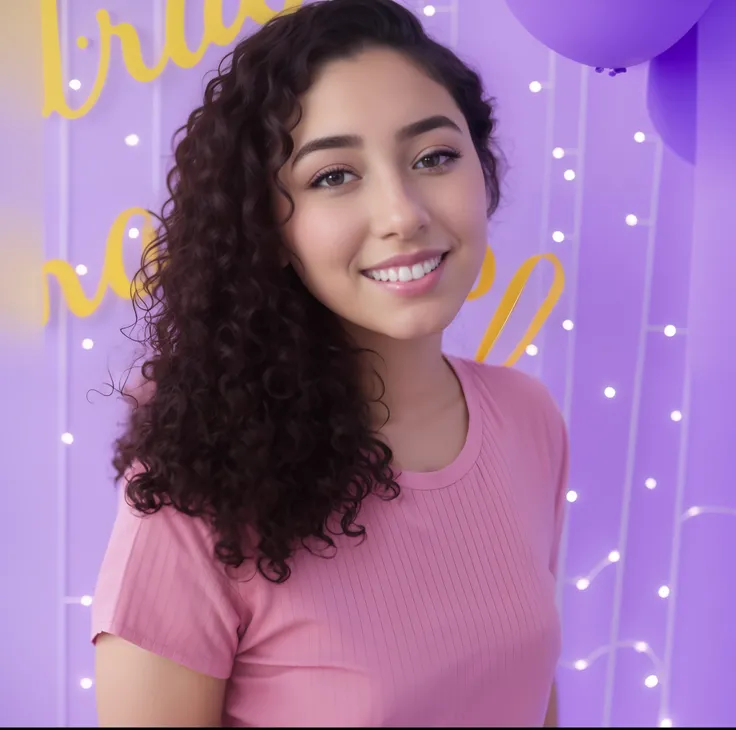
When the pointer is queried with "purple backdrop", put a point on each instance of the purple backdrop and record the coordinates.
(649, 543)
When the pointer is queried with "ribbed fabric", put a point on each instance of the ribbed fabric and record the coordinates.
(443, 616)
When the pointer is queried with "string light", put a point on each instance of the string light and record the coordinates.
(532, 350)
(558, 236)
(670, 330)
(583, 583)
(631, 220)
(651, 681)
(664, 591)
(87, 343)
(75, 84)
(86, 600)
(133, 233)
(665, 722)
(569, 175)
(81, 269)
(609, 392)
(132, 140)
(696, 511)
(676, 416)
(535, 87)
(558, 153)
(568, 325)
(85, 683)
(640, 647)
(639, 137)
(429, 10)
(650, 482)
(571, 496)
(67, 438)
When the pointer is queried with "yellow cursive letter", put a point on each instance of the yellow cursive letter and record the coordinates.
(53, 81)
(113, 271)
(508, 303)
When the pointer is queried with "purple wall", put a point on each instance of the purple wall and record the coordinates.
(624, 284)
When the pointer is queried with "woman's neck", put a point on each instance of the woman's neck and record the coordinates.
(416, 379)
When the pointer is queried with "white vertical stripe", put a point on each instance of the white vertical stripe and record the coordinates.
(633, 432)
(454, 24)
(571, 280)
(156, 122)
(544, 232)
(669, 633)
(62, 396)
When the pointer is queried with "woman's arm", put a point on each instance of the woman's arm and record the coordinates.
(136, 688)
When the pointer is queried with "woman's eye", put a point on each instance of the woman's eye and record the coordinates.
(331, 179)
(438, 159)
(432, 160)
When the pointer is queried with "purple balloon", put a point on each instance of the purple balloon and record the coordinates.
(672, 87)
(607, 34)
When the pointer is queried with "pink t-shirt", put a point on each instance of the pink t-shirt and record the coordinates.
(444, 615)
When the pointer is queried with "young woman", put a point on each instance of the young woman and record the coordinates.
(328, 522)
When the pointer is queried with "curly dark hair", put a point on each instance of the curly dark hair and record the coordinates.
(256, 419)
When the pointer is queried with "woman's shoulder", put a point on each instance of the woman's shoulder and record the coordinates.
(508, 388)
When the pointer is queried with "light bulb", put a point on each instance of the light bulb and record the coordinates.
(692, 512)
(132, 140)
(641, 646)
(75, 84)
(609, 392)
(133, 233)
(572, 495)
(670, 330)
(631, 220)
(81, 269)
(581, 664)
(664, 591)
(87, 344)
(558, 153)
(429, 10)
(569, 175)
(532, 350)
(535, 87)
(639, 137)
(651, 681)
(67, 438)
(568, 324)
(558, 236)
(582, 584)
(676, 416)
(86, 600)
(614, 556)
(85, 683)
(650, 482)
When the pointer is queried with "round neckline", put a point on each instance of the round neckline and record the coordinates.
(468, 455)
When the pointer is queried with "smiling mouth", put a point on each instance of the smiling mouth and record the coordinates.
(415, 272)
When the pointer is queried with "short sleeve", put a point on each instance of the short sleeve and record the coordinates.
(161, 588)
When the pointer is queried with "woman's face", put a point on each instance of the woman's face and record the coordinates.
(384, 167)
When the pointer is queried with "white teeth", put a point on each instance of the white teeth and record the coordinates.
(406, 273)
